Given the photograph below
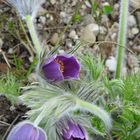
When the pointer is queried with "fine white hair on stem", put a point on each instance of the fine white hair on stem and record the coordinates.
(26, 7)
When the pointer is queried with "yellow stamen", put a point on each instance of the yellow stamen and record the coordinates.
(60, 63)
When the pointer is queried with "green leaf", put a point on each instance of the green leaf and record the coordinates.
(76, 17)
(94, 6)
(9, 86)
(94, 67)
(11, 25)
(107, 9)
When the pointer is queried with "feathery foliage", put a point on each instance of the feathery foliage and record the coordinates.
(54, 102)
(9, 86)
(126, 124)
(94, 68)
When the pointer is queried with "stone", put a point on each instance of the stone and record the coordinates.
(104, 19)
(131, 21)
(116, 6)
(102, 30)
(73, 35)
(135, 30)
(65, 18)
(87, 35)
(114, 37)
(132, 61)
(1, 42)
(88, 19)
(41, 11)
(101, 37)
(88, 4)
(31, 59)
(43, 20)
(69, 43)
(93, 27)
(54, 39)
(74, 2)
(138, 18)
(10, 51)
(111, 64)
(136, 48)
(52, 2)
(135, 3)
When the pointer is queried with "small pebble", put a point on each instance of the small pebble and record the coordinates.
(111, 64)
(114, 36)
(31, 59)
(73, 35)
(65, 17)
(88, 36)
(43, 20)
(10, 51)
(41, 11)
(103, 30)
(131, 21)
(69, 43)
(54, 38)
(136, 48)
(135, 31)
(52, 2)
(1, 42)
(94, 28)
(88, 4)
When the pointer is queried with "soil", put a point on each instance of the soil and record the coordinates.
(10, 114)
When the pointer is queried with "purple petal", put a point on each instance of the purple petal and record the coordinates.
(78, 132)
(52, 71)
(71, 66)
(26, 131)
(42, 136)
(74, 132)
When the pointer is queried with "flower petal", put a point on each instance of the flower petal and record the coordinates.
(71, 67)
(78, 132)
(26, 131)
(74, 132)
(52, 71)
(42, 136)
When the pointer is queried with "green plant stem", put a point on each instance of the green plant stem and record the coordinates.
(33, 33)
(122, 35)
(39, 118)
(104, 116)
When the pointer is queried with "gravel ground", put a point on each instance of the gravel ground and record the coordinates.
(69, 22)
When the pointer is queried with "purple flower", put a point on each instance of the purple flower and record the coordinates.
(74, 132)
(26, 131)
(61, 67)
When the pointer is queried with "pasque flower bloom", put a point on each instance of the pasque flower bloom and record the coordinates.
(26, 7)
(61, 67)
(74, 132)
(26, 131)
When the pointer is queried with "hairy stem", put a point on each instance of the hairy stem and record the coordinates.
(103, 115)
(33, 33)
(122, 35)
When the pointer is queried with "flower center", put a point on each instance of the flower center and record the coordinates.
(60, 63)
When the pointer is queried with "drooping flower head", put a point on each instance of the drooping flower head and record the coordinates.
(26, 7)
(74, 132)
(61, 67)
(26, 131)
